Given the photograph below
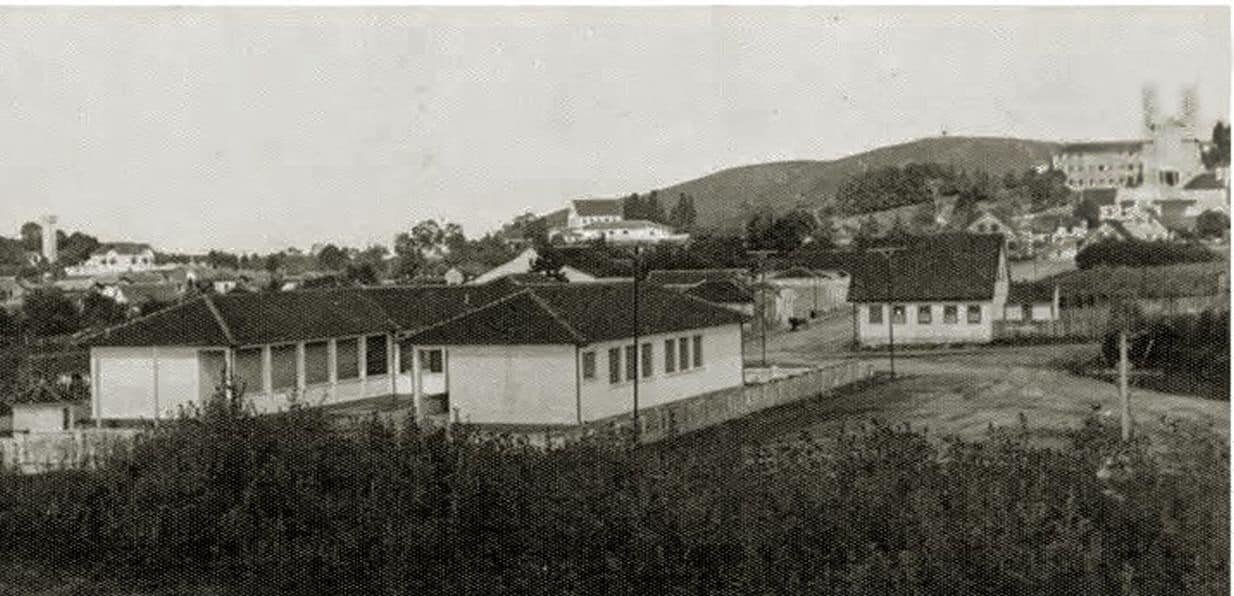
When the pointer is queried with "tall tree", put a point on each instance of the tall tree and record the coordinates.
(683, 214)
(31, 236)
(1219, 153)
(48, 312)
(332, 258)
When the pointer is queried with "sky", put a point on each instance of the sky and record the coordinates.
(255, 129)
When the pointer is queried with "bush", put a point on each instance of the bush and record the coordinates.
(1137, 253)
(294, 504)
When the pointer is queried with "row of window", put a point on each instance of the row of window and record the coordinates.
(284, 371)
(680, 354)
(925, 314)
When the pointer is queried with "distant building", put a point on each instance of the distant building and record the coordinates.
(116, 257)
(941, 289)
(584, 212)
(623, 232)
(988, 223)
(578, 264)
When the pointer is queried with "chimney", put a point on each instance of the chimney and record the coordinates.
(49, 238)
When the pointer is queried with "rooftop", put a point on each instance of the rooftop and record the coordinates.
(722, 291)
(124, 248)
(938, 268)
(689, 277)
(1205, 181)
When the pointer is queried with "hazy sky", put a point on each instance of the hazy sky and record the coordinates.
(255, 129)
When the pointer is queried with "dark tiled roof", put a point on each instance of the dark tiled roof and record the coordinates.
(1205, 181)
(593, 262)
(597, 207)
(795, 272)
(941, 267)
(689, 277)
(1103, 147)
(578, 314)
(124, 248)
(189, 324)
(156, 292)
(722, 292)
(1030, 292)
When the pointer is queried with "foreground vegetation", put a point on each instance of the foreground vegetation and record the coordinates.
(295, 504)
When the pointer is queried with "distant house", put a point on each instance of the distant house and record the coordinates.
(584, 212)
(553, 354)
(578, 264)
(635, 231)
(138, 295)
(116, 257)
(48, 407)
(941, 289)
(1147, 229)
(987, 223)
(1031, 302)
(817, 291)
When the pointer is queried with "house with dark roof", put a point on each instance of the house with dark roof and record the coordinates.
(579, 263)
(584, 212)
(502, 353)
(727, 293)
(941, 289)
(1031, 301)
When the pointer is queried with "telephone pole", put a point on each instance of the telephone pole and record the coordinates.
(887, 251)
(762, 255)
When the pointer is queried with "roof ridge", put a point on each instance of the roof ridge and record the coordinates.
(539, 300)
(467, 312)
(106, 332)
(218, 318)
(690, 296)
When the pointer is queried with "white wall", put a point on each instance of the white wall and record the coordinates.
(936, 332)
(512, 384)
(722, 364)
(1042, 311)
(43, 418)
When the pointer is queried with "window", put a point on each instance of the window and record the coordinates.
(698, 350)
(375, 355)
(589, 365)
(876, 314)
(925, 314)
(283, 367)
(974, 313)
(631, 363)
(951, 314)
(647, 365)
(249, 370)
(670, 355)
(1026, 311)
(683, 354)
(614, 365)
(347, 358)
(317, 363)
(898, 315)
(432, 361)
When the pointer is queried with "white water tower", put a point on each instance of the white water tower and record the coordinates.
(49, 238)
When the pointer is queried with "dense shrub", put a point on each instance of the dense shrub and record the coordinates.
(1138, 253)
(1192, 350)
(293, 504)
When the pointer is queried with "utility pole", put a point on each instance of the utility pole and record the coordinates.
(638, 352)
(1123, 396)
(891, 338)
(762, 292)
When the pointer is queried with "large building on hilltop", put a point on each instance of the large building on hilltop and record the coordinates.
(1167, 156)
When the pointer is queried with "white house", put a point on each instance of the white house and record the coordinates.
(818, 291)
(634, 231)
(557, 355)
(116, 257)
(584, 212)
(492, 354)
(939, 289)
(1030, 302)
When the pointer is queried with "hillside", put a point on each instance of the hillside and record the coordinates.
(722, 198)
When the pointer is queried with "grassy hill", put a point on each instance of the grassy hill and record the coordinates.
(724, 198)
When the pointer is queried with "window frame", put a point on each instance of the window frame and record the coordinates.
(589, 365)
(342, 374)
(646, 360)
(951, 314)
(614, 366)
(969, 314)
(697, 354)
(683, 354)
(631, 362)
(928, 311)
(376, 367)
(670, 355)
(902, 317)
(275, 350)
(875, 314)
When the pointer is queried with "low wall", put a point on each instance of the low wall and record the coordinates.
(41, 452)
(702, 411)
